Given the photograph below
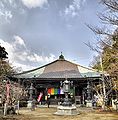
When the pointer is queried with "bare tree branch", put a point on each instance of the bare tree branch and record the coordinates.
(109, 19)
(92, 47)
(99, 31)
(111, 4)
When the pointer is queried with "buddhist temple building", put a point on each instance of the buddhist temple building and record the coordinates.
(48, 79)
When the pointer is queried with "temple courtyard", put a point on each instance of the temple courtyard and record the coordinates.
(44, 113)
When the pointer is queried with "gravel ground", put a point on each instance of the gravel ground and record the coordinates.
(44, 113)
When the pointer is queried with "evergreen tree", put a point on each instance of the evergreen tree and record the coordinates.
(3, 53)
(5, 68)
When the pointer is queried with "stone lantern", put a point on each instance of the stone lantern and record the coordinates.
(66, 89)
(66, 108)
(31, 103)
(31, 92)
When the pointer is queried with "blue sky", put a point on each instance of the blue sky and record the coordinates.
(35, 32)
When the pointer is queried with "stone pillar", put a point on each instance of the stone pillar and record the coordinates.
(89, 100)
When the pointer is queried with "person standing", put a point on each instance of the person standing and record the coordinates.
(48, 100)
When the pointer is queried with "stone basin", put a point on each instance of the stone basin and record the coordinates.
(66, 110)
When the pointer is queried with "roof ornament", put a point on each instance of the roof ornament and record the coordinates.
(61, 57)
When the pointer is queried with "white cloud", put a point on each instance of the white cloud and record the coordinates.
(5, 15)
(19, 40)
(73, 8)
(7, 10)
(20, 56)
(20, 67)
(36, 58)
(34, 3)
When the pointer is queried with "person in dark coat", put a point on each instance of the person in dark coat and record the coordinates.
(48, 102)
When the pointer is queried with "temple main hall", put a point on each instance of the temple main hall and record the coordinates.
(47, 80)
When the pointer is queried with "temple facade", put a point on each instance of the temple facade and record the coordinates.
(47, 80)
